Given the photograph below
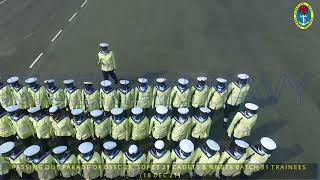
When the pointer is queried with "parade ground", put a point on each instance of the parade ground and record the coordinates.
(151, 38)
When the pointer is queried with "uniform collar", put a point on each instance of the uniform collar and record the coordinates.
(177, 120)
(161, 120)
(89, 157)
(162, 89)
(177, 151)
(199, 88)
(182, 90)
(234, 155)
(197, 117)
(138, 121)
(99, 121)
(15, 156)
(52, 90)
(219, 90)
(80, 120)
(143, 90)
(17, 118)
(70, 91)
(125, 91)
(37, 161)
(153, 152)
(89, 92)
(257, 150)
(112, 155)
(38, 118)
(63, 159)
(118, 121)
(107, 92)
(133, 157)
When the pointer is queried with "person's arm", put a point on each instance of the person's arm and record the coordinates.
(170, 128)
(128, 127)
(209, 126)
(154, 94)
(235, 120)
(114, 61)
(151, 126)
(172, 96)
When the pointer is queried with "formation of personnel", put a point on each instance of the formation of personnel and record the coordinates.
(204, 160)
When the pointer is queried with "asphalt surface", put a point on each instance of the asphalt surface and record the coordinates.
(181, 38)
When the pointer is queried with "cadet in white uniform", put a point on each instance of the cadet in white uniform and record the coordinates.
(134, 159)
(180, 95)
(231, 159)
(41, 160)
(243, 122)
(125, 96)
(183, 158)
(112, 159)
(65, 162)
(258, 155)
(159, 158)
(109, 97)
(91, 160)
(206, 156)
(160, 123)
(199, 94)
(107, 62)
(143, 95)
(180, 125)
(38, 93)
(56, 95)
(161, 93)
(237, 92)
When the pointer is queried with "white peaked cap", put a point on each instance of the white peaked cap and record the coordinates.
(213, 145)
(136, 110)
(124, 81)
(162, 109)
(30, 80)
(183, 81)
(105, 83)
(53, 109)
(202, 78)
(6, 147)
(104, 45)
(34, 109)
(68, 81)
(243, 76)
(96, 113)
(268, 143)
(186, 146)
(133, 149)
(142, 80)
(241, 143)
(85, 147)
(59, 149)
(161, 80)
(87, 83)
(12, 108)
(221, 80)
(77, 112)
(109, 145)
(159, 144)
(13, 80)
(117, 111)
(31, 150)
(183, 110)
(205, 110)
(49, 81)
(251, 106)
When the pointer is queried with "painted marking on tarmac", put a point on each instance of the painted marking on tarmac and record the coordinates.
(3, 2)
(74, 15)
(55, 37)
(84, 3)
(35, 61)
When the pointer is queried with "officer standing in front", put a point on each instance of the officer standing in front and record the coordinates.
(159, 158)
(258, 154)
(119, 125)
(138, 124)
(143, 95)
(199, 94)
(21, 94)
(41, 160)
(134, 159)
(161, 93)
(234, 156)
(112, 155)
(107, 62)
(180, 125)
(82, 124)
(243, 122)
(65, 161)
(57, 96)
(109, 97)
(160, 123)
(74, 95)
(125, 96)
(6, 96)
(22, 124)
(91, 97)
(90, 160)
(237, 92)
(38, 93)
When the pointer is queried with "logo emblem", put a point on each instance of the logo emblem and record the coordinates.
(303, 15)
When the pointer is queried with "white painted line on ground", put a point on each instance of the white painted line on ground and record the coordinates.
(35, 61)
(84, 3)
(55, 37)
(73, 16)
(3, 2)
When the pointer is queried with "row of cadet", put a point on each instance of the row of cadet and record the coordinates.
(215, 97)
(98, 125)
(206, 159)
